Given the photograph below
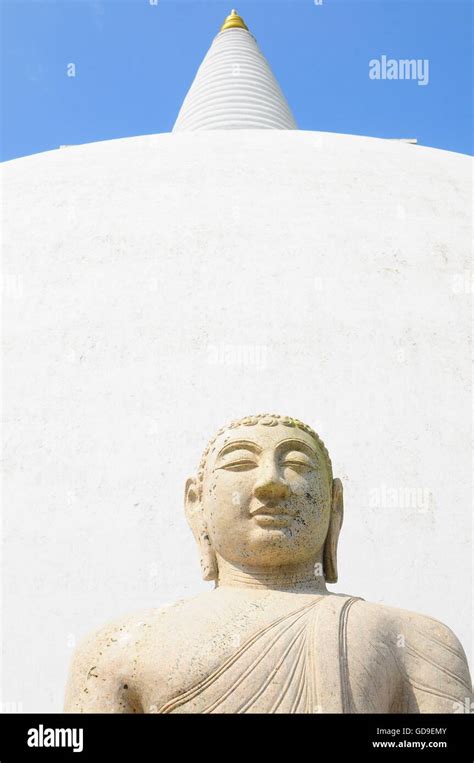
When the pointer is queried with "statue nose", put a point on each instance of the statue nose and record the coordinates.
(271, 489)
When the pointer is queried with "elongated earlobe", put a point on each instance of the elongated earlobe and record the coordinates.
(208, 559)
(335, 523)
(197, 524)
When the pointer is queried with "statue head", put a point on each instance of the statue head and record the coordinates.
(265, 496)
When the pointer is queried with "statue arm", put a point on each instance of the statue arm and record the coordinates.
(98, 681)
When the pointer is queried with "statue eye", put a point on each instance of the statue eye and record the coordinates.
(297, 461)
(239, 465)
(238, 460)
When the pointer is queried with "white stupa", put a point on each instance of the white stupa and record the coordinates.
(159, 286)
(234, 88)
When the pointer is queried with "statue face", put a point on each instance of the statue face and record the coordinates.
(266, 496)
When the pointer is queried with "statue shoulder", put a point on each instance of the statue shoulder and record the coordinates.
(425, 626)
(429, 656)
(110, 638)
(104, 664)
(394, 621)
(117, 637)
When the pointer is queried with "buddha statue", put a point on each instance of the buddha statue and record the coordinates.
(266, 514)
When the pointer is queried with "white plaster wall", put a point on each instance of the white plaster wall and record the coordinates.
(157, 287)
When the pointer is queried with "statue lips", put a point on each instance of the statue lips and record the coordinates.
(270, 515)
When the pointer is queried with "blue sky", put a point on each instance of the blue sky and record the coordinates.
(135, 59)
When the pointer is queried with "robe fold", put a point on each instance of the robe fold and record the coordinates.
(296, 664)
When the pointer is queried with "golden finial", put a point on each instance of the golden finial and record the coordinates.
(234, 21)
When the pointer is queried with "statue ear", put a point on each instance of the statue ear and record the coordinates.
(194, 515)
(335, 523)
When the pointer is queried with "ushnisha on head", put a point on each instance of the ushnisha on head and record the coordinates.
(265, 498)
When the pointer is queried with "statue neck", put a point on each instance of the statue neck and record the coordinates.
(297, 578)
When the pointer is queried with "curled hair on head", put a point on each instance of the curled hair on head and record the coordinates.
(267, 420)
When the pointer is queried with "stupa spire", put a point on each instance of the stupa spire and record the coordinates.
(234, 88)
(234, 21)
